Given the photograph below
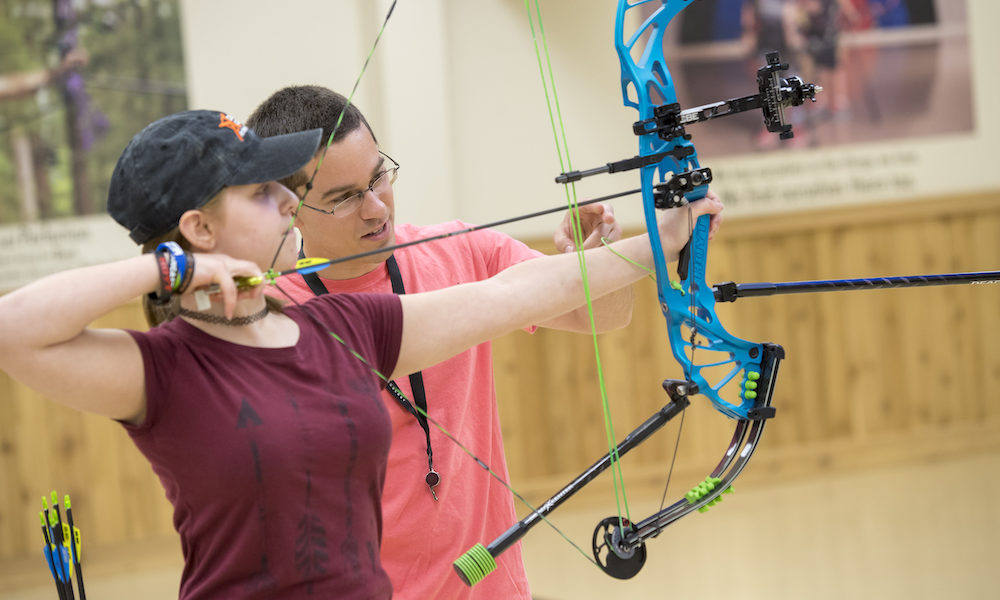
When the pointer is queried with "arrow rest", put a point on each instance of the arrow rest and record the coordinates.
(670, 193)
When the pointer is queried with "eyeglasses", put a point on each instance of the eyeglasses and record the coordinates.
(378, 185)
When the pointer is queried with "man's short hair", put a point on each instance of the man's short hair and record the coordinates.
(304, 107)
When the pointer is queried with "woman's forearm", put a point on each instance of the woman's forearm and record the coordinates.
(59, 307)
(442, 323)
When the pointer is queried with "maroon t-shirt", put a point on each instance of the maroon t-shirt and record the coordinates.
(274, 458)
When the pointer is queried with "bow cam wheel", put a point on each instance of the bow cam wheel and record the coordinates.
(612, 554)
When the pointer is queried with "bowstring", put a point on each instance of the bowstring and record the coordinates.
(562, 145)
(329, 141)
(685, 368)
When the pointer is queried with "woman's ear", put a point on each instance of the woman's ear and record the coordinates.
(199, 229)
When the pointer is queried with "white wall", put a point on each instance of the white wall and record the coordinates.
(453, 90)
(454, 94)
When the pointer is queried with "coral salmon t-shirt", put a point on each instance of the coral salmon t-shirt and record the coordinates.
(421, 538)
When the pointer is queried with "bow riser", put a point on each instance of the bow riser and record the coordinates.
(715, 347)
(692, 307)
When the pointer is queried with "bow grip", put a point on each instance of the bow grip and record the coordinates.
(699, 237)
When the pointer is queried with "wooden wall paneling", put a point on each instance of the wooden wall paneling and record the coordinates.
(854, 357)
(928, 321)
(588, 429)
(970, 346)
(828, 388)
(567, 403)
(649, 362)
(985, 302)
(980, 312)
(872, 378)
(814, 322)
(100, 504)
(517, 420)
(127, 501)
(634, 373)
(515, 386)
(13, 419)
(813, 361)
(47, 446)
(8, 465)
(624, 369)
(867, 393)
(801, 397)
(37, 469)
(957, 345)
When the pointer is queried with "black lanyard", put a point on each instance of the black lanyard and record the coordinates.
(432, 479)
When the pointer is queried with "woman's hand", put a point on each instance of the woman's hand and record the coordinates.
(677, 224)
(216, 271)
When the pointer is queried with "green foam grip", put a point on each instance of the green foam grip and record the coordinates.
(716, 500)
(473, 566)
(703, 488)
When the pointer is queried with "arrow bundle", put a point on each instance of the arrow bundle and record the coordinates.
(62, 547)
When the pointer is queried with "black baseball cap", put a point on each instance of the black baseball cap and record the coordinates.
(182, 161)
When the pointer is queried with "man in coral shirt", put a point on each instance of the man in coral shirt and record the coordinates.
(437, 502)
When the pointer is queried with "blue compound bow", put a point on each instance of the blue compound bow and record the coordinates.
(736, 375)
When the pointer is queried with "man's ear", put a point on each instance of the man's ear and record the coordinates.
(199, 229)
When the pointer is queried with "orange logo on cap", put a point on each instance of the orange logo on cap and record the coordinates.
(229, 122)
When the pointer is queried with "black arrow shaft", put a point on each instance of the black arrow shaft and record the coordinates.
(475, 228)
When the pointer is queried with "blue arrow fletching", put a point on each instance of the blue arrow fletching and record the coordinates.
(310, 265)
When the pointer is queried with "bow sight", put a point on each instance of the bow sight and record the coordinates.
(668, 122)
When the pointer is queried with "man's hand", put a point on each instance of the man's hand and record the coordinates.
(598, 221)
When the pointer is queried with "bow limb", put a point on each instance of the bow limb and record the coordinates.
(620, 549)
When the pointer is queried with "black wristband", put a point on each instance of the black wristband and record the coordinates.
(162, 296)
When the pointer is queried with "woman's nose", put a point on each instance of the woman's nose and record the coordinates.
(289, 200)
